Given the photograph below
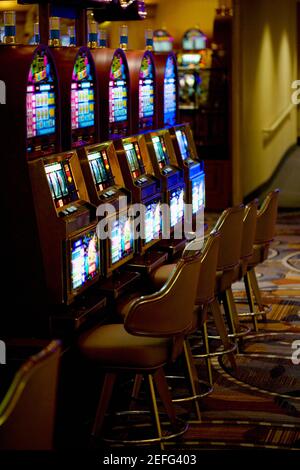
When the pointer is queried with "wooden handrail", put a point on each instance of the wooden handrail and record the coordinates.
(270, 130)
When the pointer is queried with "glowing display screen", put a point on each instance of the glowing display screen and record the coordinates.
(153, 221)
(61, 183)
(85, 259)
(134, 159)
(41, 97)
(194, 39)
(82, 93)
(160, 151)
(170, 87)
(198, 193)
(146, 93)
(183, 144)
(121, 239)
(118, 98)
(176, 205)
(100, 168)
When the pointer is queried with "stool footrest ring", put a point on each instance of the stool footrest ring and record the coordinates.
(191, 397)
(173, 434)
(215, 353)
(244, 331)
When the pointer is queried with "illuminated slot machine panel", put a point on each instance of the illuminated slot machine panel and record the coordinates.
(118, 98)
(146, 94)
(162, 155)
(83, 261)
(187, 159)
(105, 184)
(140, 179)
(41, 106)
(67, 226)
(83, 101)
(120, 247)
(170, 92)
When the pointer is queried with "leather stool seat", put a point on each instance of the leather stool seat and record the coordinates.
(111, 346)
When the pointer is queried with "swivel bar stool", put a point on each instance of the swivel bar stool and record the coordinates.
(230, 226)
(152, 335)
(205, 299)
(265, 230)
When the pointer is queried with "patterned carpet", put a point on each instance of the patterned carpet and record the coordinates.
(258, 405)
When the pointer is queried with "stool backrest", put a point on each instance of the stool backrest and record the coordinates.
(27, 412)
(168, 312)
(249, 229)
(230, 226)
(207, 276)
(266, 218)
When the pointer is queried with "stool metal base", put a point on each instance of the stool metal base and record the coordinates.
(222, 352)
(193, 397)
(239, 334)
(182, 425)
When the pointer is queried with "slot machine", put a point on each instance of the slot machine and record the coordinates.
(139, 177)
(142, 91)
(192, 166)
(30, 122)
(166, 168)
(114, 99)
(67, 226)
(194, 61)
(79, 96)
(166, 89)
(105, 185)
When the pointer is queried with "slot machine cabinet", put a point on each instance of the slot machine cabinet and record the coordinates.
(79, 96)
(139, 177)
(166, 89)
(30, 122)
(67, 226)
(105, 185)
(161, 152)
(142, 91)
(114, 99)
(192, 166)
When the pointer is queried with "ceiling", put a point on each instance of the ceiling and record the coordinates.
(13, 5)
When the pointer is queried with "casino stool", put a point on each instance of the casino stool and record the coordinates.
(264, 234)
(205, 299)
(152, 335)
(249, 228)
(27, 411)
(205, 295)
(230, 226)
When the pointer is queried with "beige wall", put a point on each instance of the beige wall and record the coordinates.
(268, 67)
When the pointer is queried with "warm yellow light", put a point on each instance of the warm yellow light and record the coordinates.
(12, 5)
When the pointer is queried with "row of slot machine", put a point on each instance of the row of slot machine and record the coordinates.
(83, 128)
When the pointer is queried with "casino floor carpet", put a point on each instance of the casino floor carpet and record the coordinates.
(258, 405)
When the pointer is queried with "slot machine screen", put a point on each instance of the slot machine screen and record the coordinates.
(170, 88)
(121, 239)
(162, 41)
(61, 183)
(134, 159)
(153, 221)
(160, 151)
(146, 93)
(194, 39)
(82, 93)
(176, 205)
(85, 259)
(100, 169)
(41, 98)
(118, 95)
(198, 193)
(183, 144)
